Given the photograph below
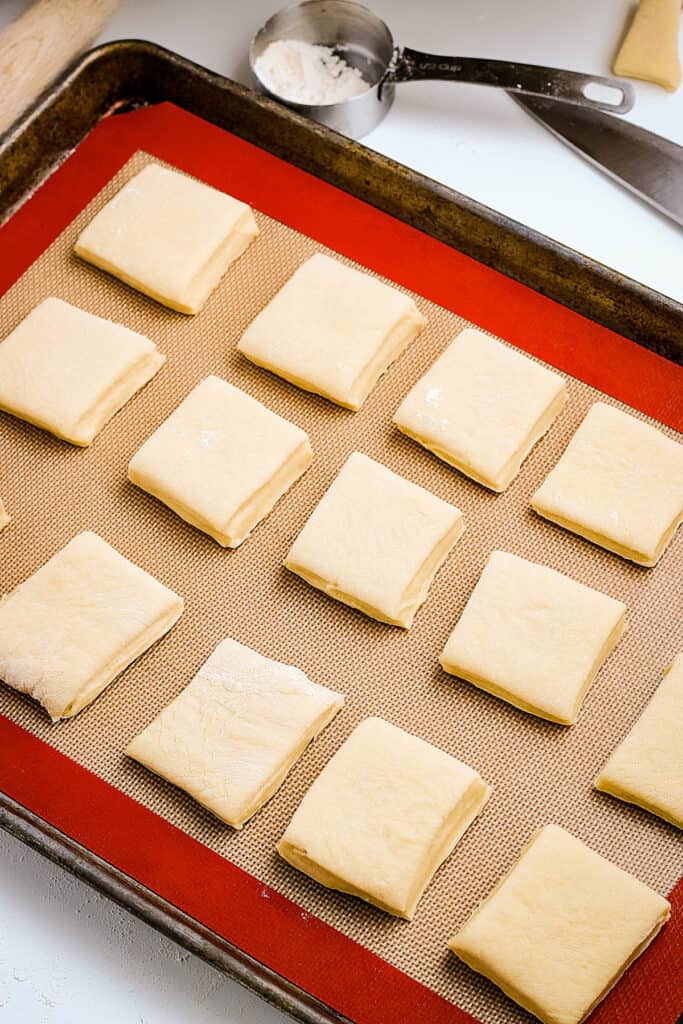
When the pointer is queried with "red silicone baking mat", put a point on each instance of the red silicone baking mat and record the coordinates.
(243, 907)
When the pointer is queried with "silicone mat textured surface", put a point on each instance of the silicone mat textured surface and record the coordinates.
(540, 772)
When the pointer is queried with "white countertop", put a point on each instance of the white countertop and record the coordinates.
(67, 955)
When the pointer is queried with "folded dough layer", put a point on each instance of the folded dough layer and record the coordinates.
(332, 330)
(78, 622)
(482, 407)
(560, 929)
(69, 371)
(170, 236)
(619, 484)
(231, 736)
(382, 816)
(533, 637)
(221, 460)
(375, 541)
(647, 767)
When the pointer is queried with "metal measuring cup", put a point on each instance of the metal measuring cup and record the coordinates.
(365, 42)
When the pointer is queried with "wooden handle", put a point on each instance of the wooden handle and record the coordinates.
(40, 44)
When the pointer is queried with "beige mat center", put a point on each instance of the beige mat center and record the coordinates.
(540, 772)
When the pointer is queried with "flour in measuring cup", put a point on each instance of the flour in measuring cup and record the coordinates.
(305, 73)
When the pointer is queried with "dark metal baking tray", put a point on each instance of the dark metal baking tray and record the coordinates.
(125, 75)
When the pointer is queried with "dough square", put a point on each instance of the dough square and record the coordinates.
(332, 330)
(375, 541)
(69, 371)
(78, 622)
(619, 484)
(170, 236)
(221, 460)
(230, 738)
(647, 766)
(385, 812)
(560, 929)
(482, 407)
(533, 637)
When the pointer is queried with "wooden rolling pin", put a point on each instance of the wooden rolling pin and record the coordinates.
(36, 47)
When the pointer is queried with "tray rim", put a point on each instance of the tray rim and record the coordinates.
(126, 74)
(59, 847)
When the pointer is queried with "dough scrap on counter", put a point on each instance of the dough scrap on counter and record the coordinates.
(69, 372)
(232, 735)
(561, 928)
(221, 460)
(385, 812)
(650, 47)
(481, 407)
(5, 518)
(533, 637)
(169, 236)
(619, 484)
(78, 622)
(375, 541)
(647, 767)
(332, 330)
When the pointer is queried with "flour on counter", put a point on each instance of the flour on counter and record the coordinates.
(305, 73)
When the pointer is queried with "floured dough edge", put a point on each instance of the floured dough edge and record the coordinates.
(454, 827)
(514, 463)
(251, 512)
(413, 596)
(644, 558)
(511, 698)
(206, 279)
(649, 50)
(271, 785)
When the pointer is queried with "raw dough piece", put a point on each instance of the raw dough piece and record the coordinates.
(4, 518)
(68, 371)
(650, 48)
(618, 484)
(647, 766)
(560, 929)
(221, 460)
(375, 541)
(332, 330)
(78, 622)
(482, 407)
(230, 738)
(384, 814)
(533, 637)
(170, 236)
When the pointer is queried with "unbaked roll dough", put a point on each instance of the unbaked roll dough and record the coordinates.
(68, 371)
(170, 236)
(384, 814)
(650, 48)
(78, 622)
(619, 484)
(375, 541)
(647, 766)
(332, 330)
(4, 517)
(221, 460)
(482, 407)
(231, 736)
(533, 637)
(560, 928)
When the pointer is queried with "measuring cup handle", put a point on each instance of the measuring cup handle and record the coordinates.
(530, 79)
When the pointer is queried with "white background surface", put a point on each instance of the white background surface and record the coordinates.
(67, 955)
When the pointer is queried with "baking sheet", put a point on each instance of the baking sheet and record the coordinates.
(540, 772)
